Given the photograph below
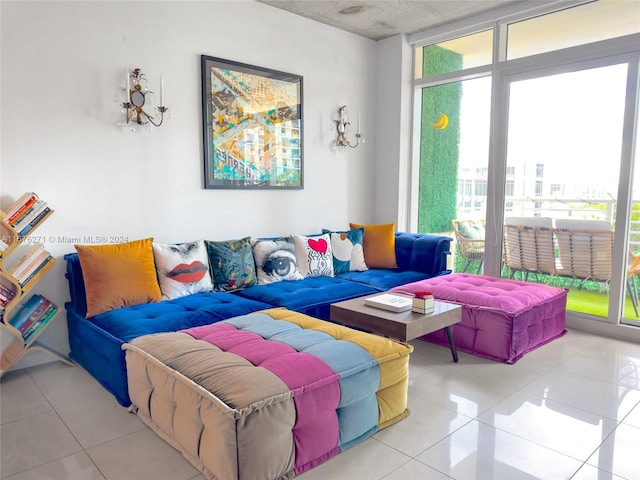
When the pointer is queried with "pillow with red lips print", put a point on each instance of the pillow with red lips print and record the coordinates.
(183, 269)
(314, 254)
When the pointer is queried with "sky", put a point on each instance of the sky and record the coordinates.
(571, 122)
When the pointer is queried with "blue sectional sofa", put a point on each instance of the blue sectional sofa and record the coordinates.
(96, 342)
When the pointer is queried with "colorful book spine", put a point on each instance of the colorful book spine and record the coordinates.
(30, 215)
(40, 324)
(36, 271)
(31, 264)
(21, 206)
(23, 255)
(28, 254)
(27, 213)
(6, 294)
(38, 218)
(27, 309)
(40, 310)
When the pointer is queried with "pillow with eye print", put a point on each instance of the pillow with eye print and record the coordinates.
(182, 269)
(275, 260)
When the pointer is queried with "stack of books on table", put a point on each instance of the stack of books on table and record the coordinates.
(26, 213)
(29, 260)
(33, 316)
(388, 301)
(5, 297)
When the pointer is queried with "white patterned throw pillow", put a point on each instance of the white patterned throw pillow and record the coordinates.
(315, 257)
(182, 269)
(275, 260)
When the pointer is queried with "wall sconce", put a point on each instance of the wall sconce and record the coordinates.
(137, 95)
(342, 126)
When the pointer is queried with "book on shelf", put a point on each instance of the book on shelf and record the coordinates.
(29, 213)
(6, 294)
(40, 322)
(42, 309)
(25, 254)
(20, 206)
(34, 261)
(388, 301)
(25, 310)
(26, 223)
(37, 270)
(21, 256)
(34, 222)
(33, 315)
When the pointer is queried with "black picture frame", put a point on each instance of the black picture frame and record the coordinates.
(252, 122)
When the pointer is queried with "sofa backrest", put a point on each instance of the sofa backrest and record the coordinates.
(76, 283)
(422, 253)
(417, 252)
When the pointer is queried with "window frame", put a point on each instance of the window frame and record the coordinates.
(624, 49)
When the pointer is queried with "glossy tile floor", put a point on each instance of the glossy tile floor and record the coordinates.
(570, 409)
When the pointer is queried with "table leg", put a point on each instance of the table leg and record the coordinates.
(452, 342)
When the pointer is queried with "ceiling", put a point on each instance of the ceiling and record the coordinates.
(381, 19)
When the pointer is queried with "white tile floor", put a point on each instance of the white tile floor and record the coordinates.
(570, 409)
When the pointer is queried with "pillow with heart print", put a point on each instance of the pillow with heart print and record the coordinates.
(314, 255)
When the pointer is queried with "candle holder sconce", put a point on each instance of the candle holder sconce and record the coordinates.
(342, 128)
(138, 97)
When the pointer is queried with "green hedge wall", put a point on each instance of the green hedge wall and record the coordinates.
(438, 183)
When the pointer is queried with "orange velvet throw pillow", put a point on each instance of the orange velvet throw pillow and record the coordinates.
(118, 275)
(379, 245)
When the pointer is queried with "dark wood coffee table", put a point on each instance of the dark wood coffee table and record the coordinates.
(403, 326)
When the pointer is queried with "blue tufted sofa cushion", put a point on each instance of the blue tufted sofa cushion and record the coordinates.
(172, 315)
(311, 296)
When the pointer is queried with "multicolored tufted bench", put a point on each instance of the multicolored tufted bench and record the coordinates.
(267, 395)
(501, 319)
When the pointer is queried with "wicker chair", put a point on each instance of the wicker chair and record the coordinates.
(470, 240)
(529, 249)
(585, 249)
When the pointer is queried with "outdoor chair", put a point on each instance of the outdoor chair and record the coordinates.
(586, 249)
(470, 240)
(529, 249)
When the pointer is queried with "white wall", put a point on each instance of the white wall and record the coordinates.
(61, 66)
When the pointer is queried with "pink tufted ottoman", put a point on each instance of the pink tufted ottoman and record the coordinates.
(501, 319)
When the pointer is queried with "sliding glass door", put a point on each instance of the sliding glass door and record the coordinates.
(564, 145)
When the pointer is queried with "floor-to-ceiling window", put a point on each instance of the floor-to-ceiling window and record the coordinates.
(543, 114)
(455, 113)
(563, 146)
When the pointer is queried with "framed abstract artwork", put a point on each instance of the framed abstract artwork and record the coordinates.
(252, 126)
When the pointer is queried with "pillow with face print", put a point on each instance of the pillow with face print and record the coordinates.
(275, 260)
(182, 269)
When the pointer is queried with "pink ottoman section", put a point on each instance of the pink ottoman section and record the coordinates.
(501, 319)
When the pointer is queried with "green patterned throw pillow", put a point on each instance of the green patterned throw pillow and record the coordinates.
(232, 264)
